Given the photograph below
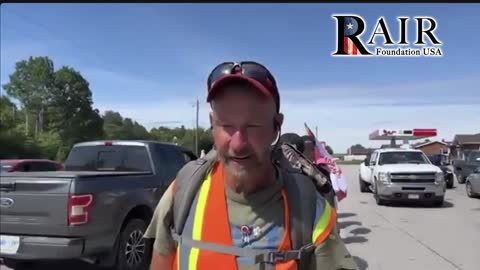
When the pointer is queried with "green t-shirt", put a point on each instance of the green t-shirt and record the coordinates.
(261, 215)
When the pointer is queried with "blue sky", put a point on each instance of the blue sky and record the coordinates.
(150, 62)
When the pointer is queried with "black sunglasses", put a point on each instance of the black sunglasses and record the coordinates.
(250, 69)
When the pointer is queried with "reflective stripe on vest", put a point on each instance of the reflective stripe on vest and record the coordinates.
(208, 222)
(325, 220)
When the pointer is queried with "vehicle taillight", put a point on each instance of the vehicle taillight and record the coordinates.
(78, 208)
(108, 143)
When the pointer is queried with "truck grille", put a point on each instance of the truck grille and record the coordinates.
(413, 177)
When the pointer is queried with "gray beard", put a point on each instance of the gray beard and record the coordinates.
(240, 174)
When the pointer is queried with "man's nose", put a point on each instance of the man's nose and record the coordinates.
(239, 139)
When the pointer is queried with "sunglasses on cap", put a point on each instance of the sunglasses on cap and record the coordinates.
(252, 72)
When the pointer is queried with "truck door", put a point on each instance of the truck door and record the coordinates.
(371, 165)
(365, 169)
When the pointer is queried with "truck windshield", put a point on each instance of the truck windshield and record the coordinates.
(108, 158)
(435, 159)
(474, 156)
(402, 158)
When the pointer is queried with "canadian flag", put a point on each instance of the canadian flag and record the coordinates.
(339, 182)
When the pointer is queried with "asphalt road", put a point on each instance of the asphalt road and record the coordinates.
(400, 237)
(410, 236)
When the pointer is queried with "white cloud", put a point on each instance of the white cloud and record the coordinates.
(342, 121)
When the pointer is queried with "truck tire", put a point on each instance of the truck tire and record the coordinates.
(378, 200)
(134, 252)
(439, 202)
(363, 185)
(450, 183)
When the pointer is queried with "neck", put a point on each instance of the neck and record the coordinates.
(251, 183)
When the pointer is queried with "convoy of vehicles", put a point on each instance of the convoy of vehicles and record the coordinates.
(95, 210)
(405, 174)
(399, 173)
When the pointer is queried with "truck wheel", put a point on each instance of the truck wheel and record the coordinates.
(450, 183)
(134, 252)
(378, 200)
(363, 185)
(439, 202)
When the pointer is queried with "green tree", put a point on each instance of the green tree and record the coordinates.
(118, 128)
(31, 84)
(8, 114)
(71, 109)
(113, 125)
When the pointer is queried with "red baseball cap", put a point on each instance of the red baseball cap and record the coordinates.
(251, 72)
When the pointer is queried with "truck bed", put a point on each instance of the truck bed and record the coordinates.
(38, 202)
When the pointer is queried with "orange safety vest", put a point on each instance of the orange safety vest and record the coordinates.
(208, 222)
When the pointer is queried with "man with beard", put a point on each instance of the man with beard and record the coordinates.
(246, 211)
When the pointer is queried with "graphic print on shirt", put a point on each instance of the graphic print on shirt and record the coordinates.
(268, 236)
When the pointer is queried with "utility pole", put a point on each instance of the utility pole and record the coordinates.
(316, 132)
(196, 128)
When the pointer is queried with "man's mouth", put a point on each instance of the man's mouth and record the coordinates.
(241, 158)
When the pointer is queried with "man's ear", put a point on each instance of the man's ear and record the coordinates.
(211, 119)
(278, 121)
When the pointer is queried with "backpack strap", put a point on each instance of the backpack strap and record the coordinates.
(301, 202)
(301, 194)
(187, 183)
(259, 255)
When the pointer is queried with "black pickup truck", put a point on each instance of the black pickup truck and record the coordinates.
(96, 209)
(463, 168)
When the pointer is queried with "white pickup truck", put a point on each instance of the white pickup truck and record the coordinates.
(397, 174)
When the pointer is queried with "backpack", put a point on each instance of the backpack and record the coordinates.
(299, 188)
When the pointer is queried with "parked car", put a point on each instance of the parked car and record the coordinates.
(439, 161)
(463, 168)
(96, 210)
(29, 165)
(472, 184)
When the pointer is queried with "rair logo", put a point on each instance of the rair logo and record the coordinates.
(350, 29)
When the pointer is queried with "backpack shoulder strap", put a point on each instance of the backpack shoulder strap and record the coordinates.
(301, 194)
(187, 183)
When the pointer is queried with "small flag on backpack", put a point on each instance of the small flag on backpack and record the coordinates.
(339, 182)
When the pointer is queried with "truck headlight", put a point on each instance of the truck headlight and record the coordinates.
(439, 177)
(384, 177)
